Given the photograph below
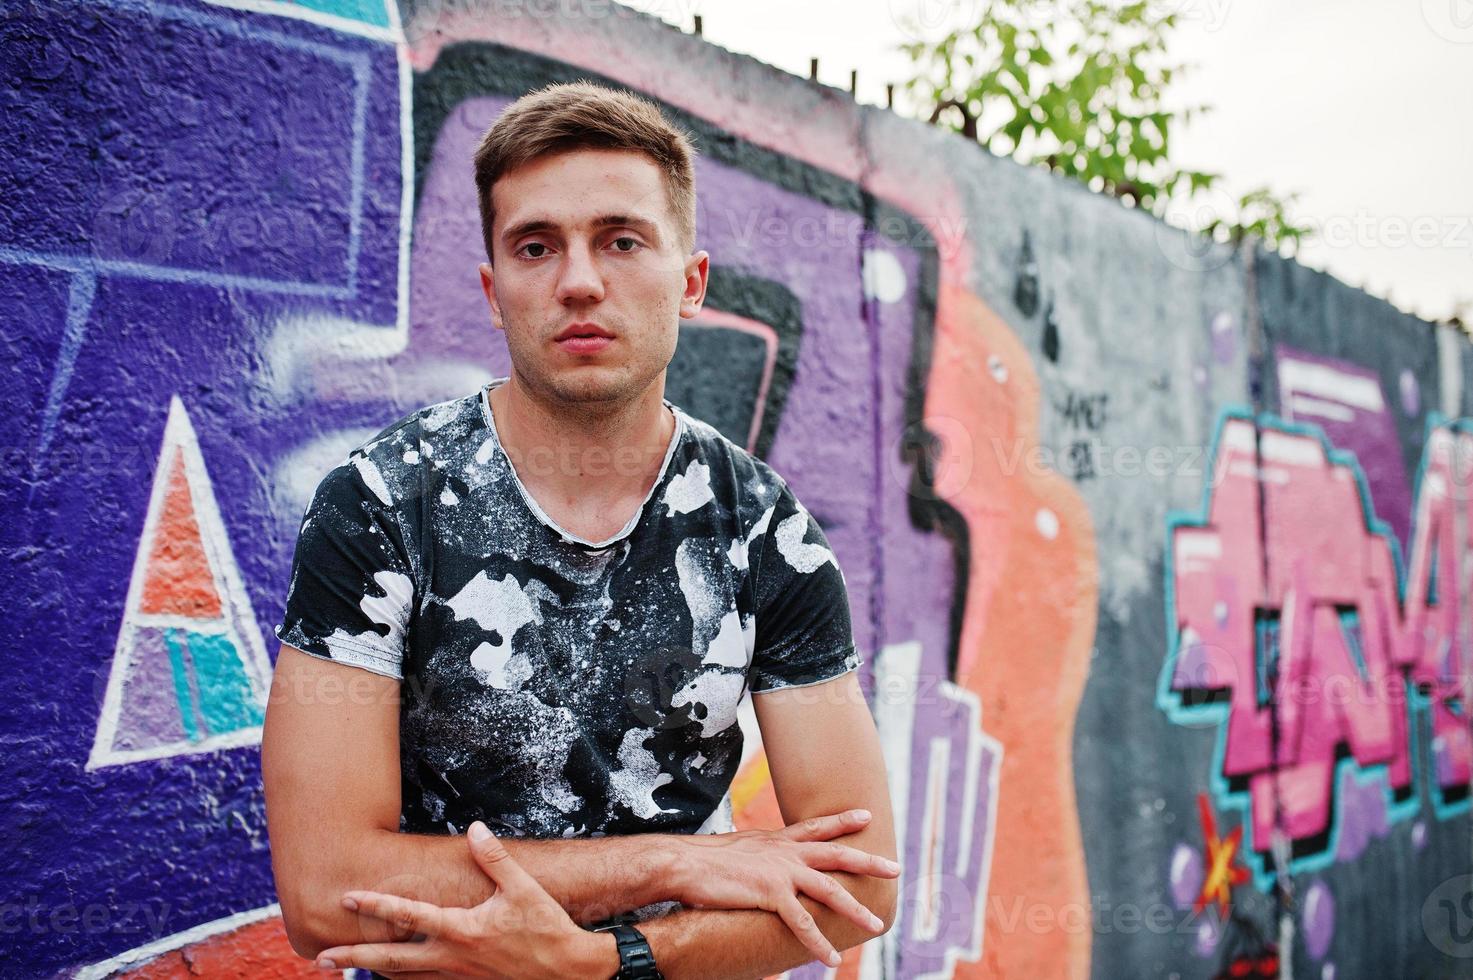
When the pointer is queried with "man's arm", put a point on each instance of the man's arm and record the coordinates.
(824, 754)
(330, 760)
(330, 756)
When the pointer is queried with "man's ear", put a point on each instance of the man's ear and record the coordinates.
(488, 286)
(696, 269)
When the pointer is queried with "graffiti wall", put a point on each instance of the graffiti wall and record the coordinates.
(1156, 552)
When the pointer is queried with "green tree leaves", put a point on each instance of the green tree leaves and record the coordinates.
(1079, 86)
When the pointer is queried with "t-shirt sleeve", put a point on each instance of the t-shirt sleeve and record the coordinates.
(803, 633)
(352, 591)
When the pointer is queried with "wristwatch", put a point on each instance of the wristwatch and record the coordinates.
(636, 959)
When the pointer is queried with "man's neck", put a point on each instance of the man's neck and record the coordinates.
(580, 459)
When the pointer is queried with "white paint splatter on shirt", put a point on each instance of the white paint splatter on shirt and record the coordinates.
(391, 610)
(501, 607)
(635, 782)
(373, 479)
(690, 490)
(803, 557)
(720, 692)
(731, 647)
(698, 585)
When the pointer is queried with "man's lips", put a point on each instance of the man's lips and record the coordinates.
(582, 330)
(584, 345)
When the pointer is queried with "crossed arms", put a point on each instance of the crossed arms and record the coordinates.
(769, 900)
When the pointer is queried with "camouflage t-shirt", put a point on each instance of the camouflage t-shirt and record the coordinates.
(554, 686)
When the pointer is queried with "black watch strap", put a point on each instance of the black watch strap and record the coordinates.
(636, 959)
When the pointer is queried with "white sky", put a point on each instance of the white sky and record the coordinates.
(1363, 107)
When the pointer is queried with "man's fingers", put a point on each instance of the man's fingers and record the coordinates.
(516, 889)
(827, 828)
(384, 957)
(405, 913)
(819, 886)
(842, 857)
(806, 929)
(499, 865)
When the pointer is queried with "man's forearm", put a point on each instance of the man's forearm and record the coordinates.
(594, 878)
(742, 944)
(590, 878)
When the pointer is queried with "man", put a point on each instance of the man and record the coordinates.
(536, 610)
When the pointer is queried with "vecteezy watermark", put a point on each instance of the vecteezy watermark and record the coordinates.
(1447, 917)
(1084, 458)
(935, 459)
(1451, 20)
(564, 458)
(1101, 917)
(1211, 14)
(932, 20)
(1206, 673)
(358, 688)
(37, 918)
(1362, 229)
(70, 459)
(941, 898)
(431, 16)
(1182, 234)
(755, 228)
(152, 228)
(677, 12)
(655, 682)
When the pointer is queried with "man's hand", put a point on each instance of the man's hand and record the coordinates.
(825, 758)
(520, 931)
(768, 869)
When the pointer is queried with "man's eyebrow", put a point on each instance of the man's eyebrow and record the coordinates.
(527, 228)
(633, 220)
(533, 225)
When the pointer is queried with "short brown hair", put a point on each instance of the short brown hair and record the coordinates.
(581, 115)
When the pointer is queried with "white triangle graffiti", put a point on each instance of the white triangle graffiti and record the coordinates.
(189, 671)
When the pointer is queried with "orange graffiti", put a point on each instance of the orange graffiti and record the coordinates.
(1025, 644)
(179, 580)
(259, 949)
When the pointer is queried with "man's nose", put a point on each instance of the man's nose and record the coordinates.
(579, 279)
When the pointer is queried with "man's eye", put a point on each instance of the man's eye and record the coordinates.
(541, 250)
(622, 241)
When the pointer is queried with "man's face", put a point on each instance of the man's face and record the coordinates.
(583, 239)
